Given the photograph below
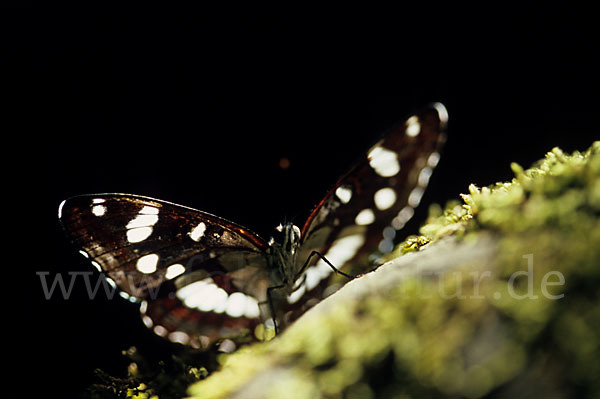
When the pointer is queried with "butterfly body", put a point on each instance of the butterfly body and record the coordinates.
(200, 278)
(282, 254)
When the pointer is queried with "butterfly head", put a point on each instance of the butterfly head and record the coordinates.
(284, 244)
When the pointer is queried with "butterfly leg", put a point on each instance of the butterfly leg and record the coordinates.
(271, 307)
(335, 269)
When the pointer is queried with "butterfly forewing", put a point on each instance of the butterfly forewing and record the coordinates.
(198, 273)
(359, 216)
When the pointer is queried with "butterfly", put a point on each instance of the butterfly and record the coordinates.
(201, 279)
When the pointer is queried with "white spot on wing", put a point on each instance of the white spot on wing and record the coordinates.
(179, 337)
(385, 198)
(60, 208)
(96, 265)
(111, 282)
(99, 210)
(384, 161)
(147, 321)
(138, 234)
(424, 176)
(365, 217)
(160, 331)
(198, 232)
(406, 213)
(442, 112)
(147, 264)
(433, 159)
(415, 196)
(413, 126)
(174, 271)
(344, 194)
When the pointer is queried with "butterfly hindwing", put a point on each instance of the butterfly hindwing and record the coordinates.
(186, 265)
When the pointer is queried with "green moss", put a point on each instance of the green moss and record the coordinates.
(493, 335)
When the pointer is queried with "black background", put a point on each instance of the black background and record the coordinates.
(198, 107)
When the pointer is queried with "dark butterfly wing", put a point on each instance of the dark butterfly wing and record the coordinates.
(199, 277)
(360, 215)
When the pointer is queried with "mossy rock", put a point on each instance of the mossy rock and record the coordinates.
(498, 297)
